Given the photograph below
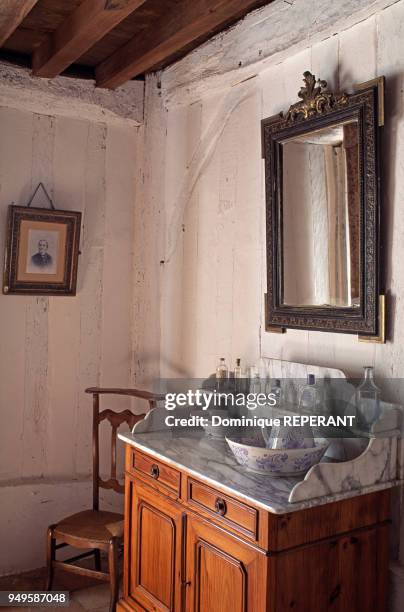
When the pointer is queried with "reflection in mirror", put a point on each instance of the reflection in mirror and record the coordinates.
(321, 217)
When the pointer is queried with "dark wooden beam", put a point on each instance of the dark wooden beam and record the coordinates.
(75, 71)
(24, 60)
(190, 20)
(78, 33)
(12, 12)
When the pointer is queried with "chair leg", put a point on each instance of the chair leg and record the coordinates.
(97, 559)
(113, 572)
(50, 557)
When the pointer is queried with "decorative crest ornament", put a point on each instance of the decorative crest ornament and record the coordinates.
(315, 99)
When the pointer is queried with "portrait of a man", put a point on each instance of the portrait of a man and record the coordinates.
(42, 259)
(42, 251)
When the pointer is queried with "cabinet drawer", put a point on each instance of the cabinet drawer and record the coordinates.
(138, 463)
(234, 513)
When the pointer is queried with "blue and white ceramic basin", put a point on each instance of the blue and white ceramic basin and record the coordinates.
(250, 452)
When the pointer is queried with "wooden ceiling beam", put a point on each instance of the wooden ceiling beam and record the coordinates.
(88, 23)
(12, 12)
(190, 20)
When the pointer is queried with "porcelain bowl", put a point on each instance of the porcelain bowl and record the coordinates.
(250, 452)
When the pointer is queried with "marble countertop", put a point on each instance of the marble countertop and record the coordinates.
(211, 461)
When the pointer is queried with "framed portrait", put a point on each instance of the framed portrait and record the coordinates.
(42, 249)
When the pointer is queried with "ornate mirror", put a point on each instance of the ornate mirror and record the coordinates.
(322, 211)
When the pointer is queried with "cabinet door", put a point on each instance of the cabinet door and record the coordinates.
(222, 573)
(349, 573)
(153, 557)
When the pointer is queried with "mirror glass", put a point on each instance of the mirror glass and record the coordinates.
(321, 217)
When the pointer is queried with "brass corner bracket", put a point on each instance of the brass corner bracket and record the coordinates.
(380, 83)
(381, 338)
(272, 329)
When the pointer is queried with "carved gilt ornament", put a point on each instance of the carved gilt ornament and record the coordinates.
(315, 99)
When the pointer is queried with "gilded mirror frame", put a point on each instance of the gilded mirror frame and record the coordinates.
(319, 108)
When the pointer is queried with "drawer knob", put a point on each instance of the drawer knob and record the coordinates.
(154, 471)
(220, 506)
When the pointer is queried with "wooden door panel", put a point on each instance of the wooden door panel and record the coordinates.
(363, 561)
(221, 581)
(348, 573)
(155, 543)
(303, 576)
(223, 574)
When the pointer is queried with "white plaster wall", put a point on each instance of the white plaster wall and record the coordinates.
(52, 348)
(213, 189)
(29, 507)
(148, 243)
(213, 278)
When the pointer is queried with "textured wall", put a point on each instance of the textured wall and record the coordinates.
(214, 201)
(214, 275)
(52, 348)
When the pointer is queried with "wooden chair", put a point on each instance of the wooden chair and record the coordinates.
(96, 529)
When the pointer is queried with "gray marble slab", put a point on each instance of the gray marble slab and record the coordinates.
(211, 461)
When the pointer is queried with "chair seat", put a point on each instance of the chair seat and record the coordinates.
(90, 527)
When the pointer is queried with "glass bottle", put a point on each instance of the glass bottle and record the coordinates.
(222, 374)
(268, 385)
(255, 385)
(311, 398)
(238, 377)
(237, 370)
(367, 400)
(222, 371)
(251, 374)
(276, 391)
(286, 436)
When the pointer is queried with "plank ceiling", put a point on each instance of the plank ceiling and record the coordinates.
(111, 41)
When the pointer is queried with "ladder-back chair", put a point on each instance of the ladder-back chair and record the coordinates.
(96, 529)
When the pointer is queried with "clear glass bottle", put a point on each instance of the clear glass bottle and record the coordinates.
(238, 373)
(252, 372)
(222, 375)
(276, 391)
(222, 371)
(367, 398)
(255, 386)
(312, 398)
(285, 436)
(268, 385)
(238, 377)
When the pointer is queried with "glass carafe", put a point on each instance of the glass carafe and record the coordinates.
(367, 399)
(286, 436)
(312, 398)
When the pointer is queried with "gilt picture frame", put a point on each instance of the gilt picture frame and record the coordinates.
(42, 250)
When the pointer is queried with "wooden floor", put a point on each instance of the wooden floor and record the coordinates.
(85, 594)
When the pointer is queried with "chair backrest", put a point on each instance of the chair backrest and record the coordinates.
(115, 419)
